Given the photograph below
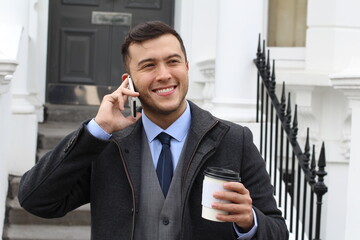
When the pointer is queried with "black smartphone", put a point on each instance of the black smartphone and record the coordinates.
(132, 100)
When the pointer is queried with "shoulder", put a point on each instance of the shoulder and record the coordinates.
(205, 118)
(133, 130)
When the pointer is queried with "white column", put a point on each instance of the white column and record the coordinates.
(7, 68)
(348, 82)
(22, 127)
(239, 24)
(38, 22)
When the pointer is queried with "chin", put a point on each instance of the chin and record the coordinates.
(169, 108)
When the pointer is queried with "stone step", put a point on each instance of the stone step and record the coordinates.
(14, 182)
(62, 120)
(18, 216)
(41, 152)
(73, 113)
(45, 232)
(69, 113)
(51, 133)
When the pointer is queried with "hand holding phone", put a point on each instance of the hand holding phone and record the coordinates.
(132, 100)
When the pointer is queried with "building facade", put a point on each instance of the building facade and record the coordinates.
(322, 72)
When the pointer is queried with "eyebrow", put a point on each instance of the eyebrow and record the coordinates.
(153, 59)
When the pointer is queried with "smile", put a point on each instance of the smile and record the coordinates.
(164, 90)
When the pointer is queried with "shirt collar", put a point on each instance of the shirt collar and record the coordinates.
(178, 130)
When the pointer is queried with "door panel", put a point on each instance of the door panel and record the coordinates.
(77, 57)
(81, 2)
(143, 4)
(84, 44)
(141, 10)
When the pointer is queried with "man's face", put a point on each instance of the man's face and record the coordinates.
(160, 74)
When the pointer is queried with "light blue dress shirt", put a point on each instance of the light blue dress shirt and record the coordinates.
(178, 131)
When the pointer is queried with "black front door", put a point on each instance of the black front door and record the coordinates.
(84, 58)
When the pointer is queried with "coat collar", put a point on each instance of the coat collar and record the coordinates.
(204, 137)
(129, 142)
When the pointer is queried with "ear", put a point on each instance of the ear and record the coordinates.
(124, 76)
(187, 65)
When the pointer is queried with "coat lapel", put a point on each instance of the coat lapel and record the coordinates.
(130, 145)
(204, 136)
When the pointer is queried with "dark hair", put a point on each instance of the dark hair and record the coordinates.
(146, 31)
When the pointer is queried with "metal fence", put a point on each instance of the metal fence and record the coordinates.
(294, 175)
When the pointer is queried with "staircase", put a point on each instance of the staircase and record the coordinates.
(21, 225)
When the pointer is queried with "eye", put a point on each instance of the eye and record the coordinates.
(149, 65)
(174, 61)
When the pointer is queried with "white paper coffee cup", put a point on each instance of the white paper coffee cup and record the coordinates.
(214, 178)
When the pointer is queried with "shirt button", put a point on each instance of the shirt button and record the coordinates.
(165, 221)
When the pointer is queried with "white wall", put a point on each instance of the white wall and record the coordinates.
(333, 35)
(198, 28)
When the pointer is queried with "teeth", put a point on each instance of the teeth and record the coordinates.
(165, 90)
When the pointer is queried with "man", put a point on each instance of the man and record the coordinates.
(113, 160)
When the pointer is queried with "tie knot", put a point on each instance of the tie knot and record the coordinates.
(164, 138)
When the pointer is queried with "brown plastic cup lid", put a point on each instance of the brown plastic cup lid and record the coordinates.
(222, 174)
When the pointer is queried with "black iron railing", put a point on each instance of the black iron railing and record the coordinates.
(293, 171)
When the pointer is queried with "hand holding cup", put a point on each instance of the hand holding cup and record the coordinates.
(225, 199)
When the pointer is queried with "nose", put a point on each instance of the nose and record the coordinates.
(163, 72)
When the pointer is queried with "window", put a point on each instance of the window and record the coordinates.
(287, 23)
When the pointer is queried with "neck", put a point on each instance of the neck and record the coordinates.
(164, 120)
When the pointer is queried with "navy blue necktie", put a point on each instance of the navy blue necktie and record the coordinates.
(164, 167)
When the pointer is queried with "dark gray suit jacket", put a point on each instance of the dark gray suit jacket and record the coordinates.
(84, 169)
